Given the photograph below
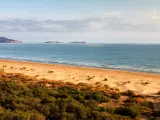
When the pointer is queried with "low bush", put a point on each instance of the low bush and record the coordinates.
(129, 93)
(97, 96)
(115, 95)
(127, 111)
(20, 100)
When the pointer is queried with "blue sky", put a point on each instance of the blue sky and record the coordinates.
(109, 21)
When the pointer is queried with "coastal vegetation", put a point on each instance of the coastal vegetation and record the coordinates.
(26, 98)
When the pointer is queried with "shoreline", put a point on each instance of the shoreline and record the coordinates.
(76, 65)
(79, 66)
(139, 82)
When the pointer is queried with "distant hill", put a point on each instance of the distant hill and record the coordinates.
(6, 40)
(52, 42)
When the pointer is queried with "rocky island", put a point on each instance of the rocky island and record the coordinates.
(6, 40)
(53, 42)
(79, 42)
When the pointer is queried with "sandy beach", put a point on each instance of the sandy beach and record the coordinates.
(139, 82)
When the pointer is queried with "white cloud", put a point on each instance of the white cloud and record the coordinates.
(90, 24)
(112, 14)
(109, 27)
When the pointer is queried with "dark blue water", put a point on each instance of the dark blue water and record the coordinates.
(118, 56)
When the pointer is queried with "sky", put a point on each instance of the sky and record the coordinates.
(93, 21)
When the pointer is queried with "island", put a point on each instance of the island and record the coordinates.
(79, 42)
(6, 40)
(53, 42)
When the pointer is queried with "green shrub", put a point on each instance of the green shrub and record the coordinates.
(27, 92)
(67, 90)
(18, 115)
(147, 104)
(67, 116)
(110, 110)
(156, 113)
(11, 86)
(105, 116)
(127, 111)
(40, 92)
(48, 100)
(129, 93)
(115, 95)
(145, 111)
(66, 101)
(97, 96)
(79, 110)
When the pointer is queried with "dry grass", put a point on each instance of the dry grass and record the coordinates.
(2, 70)
(23, 68)
(50, 71)
(11, 67)
(145, 83)
(105, 79)
(90, 77)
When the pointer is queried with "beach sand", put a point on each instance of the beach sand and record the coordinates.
(139, 82)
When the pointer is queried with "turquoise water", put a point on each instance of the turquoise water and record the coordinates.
(115, 56)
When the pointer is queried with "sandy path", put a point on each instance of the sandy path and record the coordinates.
(144, 83)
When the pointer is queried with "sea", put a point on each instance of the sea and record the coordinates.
(132, 57)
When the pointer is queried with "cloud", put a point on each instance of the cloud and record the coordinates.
(112, 13)
(109, 22)
(154, 15)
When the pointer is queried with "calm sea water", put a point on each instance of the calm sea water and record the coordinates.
(116, 56)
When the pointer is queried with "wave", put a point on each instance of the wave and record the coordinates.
(135, 68)
(87, 64)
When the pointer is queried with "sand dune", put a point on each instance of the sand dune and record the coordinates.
(139, 82)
